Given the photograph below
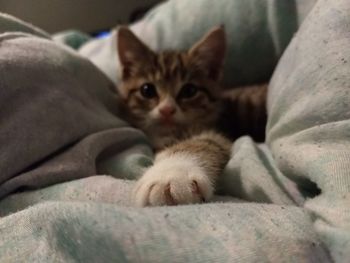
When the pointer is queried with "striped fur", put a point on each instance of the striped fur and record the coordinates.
(191, 154)
(244, 112)
(168, 71)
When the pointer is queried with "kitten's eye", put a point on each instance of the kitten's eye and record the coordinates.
(148, 91)
(188, 91)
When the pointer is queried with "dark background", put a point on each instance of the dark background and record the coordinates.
(87, 15)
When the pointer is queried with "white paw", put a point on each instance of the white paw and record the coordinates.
(174, 180)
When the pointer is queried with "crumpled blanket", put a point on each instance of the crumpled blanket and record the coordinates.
(286, 200)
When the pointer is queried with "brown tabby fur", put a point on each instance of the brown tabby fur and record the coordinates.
(210, 147)
(244, 112)
(168, 71)
(234, 112)
(199, 122)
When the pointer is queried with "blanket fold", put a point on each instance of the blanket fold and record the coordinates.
(58, 113)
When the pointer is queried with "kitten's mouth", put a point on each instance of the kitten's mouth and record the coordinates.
(167, 122)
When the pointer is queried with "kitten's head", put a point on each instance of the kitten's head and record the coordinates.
(166, 93)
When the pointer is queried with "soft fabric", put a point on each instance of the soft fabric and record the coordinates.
(72, 38)
(309, 119)
(57, 115)
(92, 220)
(275, 216)
(9, 23)
(90, 232)
(257, 33)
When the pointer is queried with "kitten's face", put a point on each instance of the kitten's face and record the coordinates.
(167, 93)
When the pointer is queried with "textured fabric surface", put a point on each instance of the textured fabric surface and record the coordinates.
(72, 38)
(89, 232)
(257, 33)
(57, 115)
(309, 119)
(66, 129)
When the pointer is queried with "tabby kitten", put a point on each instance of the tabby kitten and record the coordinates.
(175, 98)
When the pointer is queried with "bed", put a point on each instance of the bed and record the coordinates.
(68, 161)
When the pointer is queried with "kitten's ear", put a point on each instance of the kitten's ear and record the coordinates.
(209, 52)
(131, 51)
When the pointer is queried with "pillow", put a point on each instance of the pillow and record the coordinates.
(308, 129)
(257, 33)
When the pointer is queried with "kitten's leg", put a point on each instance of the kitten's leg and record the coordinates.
(185, 172)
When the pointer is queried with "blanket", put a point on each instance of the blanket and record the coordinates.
(257, 34)
(67, 158)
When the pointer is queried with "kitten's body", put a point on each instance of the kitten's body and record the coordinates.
(244, 112)
(176, 99)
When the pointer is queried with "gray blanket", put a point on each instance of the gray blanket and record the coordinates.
(58, 114)
(59, 129)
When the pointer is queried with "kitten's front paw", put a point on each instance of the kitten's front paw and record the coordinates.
(173, 180)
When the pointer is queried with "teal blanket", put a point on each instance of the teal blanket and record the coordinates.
(66, 158)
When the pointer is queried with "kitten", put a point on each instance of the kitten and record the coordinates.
(176, 99)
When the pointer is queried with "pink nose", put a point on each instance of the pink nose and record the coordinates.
(167, 111)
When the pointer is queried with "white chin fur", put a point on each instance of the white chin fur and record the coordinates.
(172, 180)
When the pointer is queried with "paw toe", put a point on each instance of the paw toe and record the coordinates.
(157, 196)
(141, 194)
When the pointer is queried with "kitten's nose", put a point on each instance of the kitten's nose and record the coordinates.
(167, 111)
